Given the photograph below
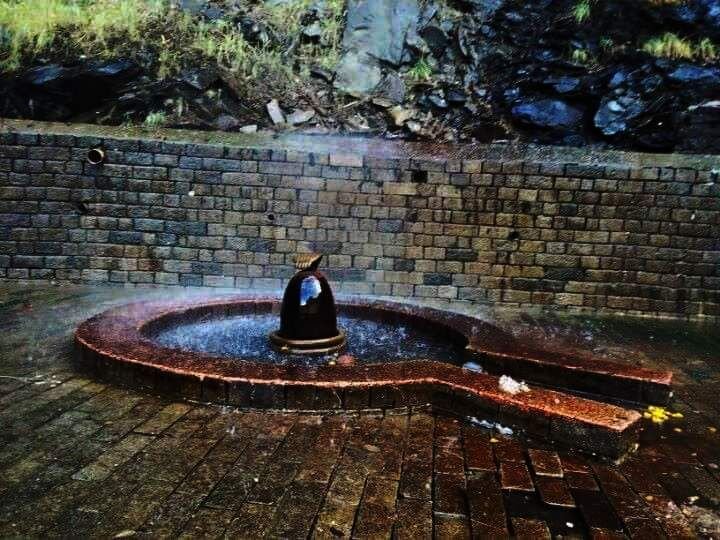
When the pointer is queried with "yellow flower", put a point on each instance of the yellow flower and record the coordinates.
(658, 415)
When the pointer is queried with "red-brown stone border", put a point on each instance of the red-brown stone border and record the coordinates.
(115, 345)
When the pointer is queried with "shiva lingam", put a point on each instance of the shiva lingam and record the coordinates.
(308, 321)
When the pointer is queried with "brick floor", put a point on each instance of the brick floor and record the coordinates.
(83, 459)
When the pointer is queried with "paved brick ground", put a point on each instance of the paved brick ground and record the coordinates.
(82, 459)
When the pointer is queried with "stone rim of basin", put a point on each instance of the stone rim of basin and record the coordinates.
(118, 340)
(500, 352)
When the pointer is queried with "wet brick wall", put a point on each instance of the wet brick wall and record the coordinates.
(618, 238)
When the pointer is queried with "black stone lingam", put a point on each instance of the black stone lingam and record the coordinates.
(308, 320)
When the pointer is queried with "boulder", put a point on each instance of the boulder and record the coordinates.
(57, 92)
(712, 12)
(701, 129)
(194, 7)
(692, 74)
(436, 39)
(616, 115)
(375, 34)
(548, 114)
(298, 116)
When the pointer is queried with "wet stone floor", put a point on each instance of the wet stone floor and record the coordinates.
(81, 459)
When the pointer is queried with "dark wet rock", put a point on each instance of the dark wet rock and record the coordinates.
(55, 92)
(456, 97)
(484, 9)
(712, 12)
(213, 13)
(564, 85)
(67, 77)
(548, 114)
(437, 101)
(701, 129)
(618, 79)
(689, 73)
(547, 55)
(312, 31)
(688, 13)
(46, 76)
(501, 69)
(436, 40)
(322, 74)
(392, 88)
(379, 27)
(254, 31)
(617, 115)
(429, 10)
(225, 122)
(200, 79)
(358, 74)
(375, 33)
(511, 94)
(651, 84)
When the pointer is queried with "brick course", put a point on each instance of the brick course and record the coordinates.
(577, 236)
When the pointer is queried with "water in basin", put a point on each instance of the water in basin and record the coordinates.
(368, 341)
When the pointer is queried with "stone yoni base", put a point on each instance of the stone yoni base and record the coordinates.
(115, 346)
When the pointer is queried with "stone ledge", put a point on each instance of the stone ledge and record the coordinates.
(378, 153)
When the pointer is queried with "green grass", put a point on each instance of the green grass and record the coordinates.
(66, 30)
(581, 11)
(580, 56)
(155, 119)
(421, 71)
(706, 50)
(670, 45)
(32, 27)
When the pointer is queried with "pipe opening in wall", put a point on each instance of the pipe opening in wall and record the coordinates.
(96, 156)
(419, 177)
(271, 217)
(513, 235)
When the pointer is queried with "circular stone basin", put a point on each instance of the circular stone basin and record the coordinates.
(216, 350)
(369, 340)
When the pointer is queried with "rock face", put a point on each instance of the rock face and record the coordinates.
(117, 91)
(375, 34)
(471, 70)
(54, 92)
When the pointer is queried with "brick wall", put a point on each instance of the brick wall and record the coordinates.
(522, 231)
